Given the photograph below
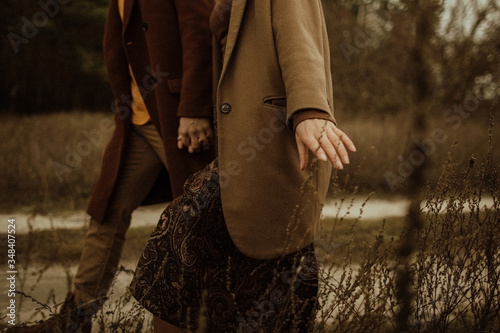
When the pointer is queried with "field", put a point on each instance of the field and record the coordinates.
(51, 162)
(437, 270)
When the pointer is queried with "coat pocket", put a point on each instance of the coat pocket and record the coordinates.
(174, 85)
(278, 102)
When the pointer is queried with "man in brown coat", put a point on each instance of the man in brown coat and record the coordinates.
(158, 56)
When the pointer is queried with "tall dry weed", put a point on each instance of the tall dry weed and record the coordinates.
(453, 274)
(457, 268)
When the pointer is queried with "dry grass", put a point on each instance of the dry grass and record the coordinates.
(381, 143)
(48, 163)
(454, 272)
(456, 268)
(51, 162)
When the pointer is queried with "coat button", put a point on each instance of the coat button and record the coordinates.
(144, 26)
(225, 108)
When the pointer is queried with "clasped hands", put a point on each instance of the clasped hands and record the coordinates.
(195, 133)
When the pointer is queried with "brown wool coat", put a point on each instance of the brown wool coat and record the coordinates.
(276, 63)
(168, 46)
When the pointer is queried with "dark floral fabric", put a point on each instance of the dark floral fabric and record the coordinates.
(192, 275)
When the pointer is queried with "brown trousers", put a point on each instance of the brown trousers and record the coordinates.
(104, 242)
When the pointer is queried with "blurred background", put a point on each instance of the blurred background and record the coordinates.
(417, 84)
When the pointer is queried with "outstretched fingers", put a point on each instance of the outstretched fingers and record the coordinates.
(325, 140)
(304, 147)
(334, 143)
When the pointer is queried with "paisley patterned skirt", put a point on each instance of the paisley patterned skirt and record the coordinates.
(192, 276)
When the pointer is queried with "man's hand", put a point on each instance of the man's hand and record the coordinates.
(195, 133)
(325, 140)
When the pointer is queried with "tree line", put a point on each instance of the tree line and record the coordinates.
(52, 53)
(52, 56)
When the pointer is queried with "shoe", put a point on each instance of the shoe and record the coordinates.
(70, 319)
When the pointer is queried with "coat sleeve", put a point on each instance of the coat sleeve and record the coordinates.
(196, 39)
(114, 54)
(304, 56)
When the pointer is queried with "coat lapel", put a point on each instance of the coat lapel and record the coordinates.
(237, 10)
(127, 12)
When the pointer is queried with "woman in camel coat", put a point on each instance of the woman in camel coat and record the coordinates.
(234, 253)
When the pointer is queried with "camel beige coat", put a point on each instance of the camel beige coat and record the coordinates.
(276, 64)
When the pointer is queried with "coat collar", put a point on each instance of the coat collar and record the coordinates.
(237, 10)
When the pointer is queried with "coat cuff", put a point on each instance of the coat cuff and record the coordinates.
(309, 114)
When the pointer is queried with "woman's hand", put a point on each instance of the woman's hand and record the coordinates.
(194, 133)
(325, 140)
